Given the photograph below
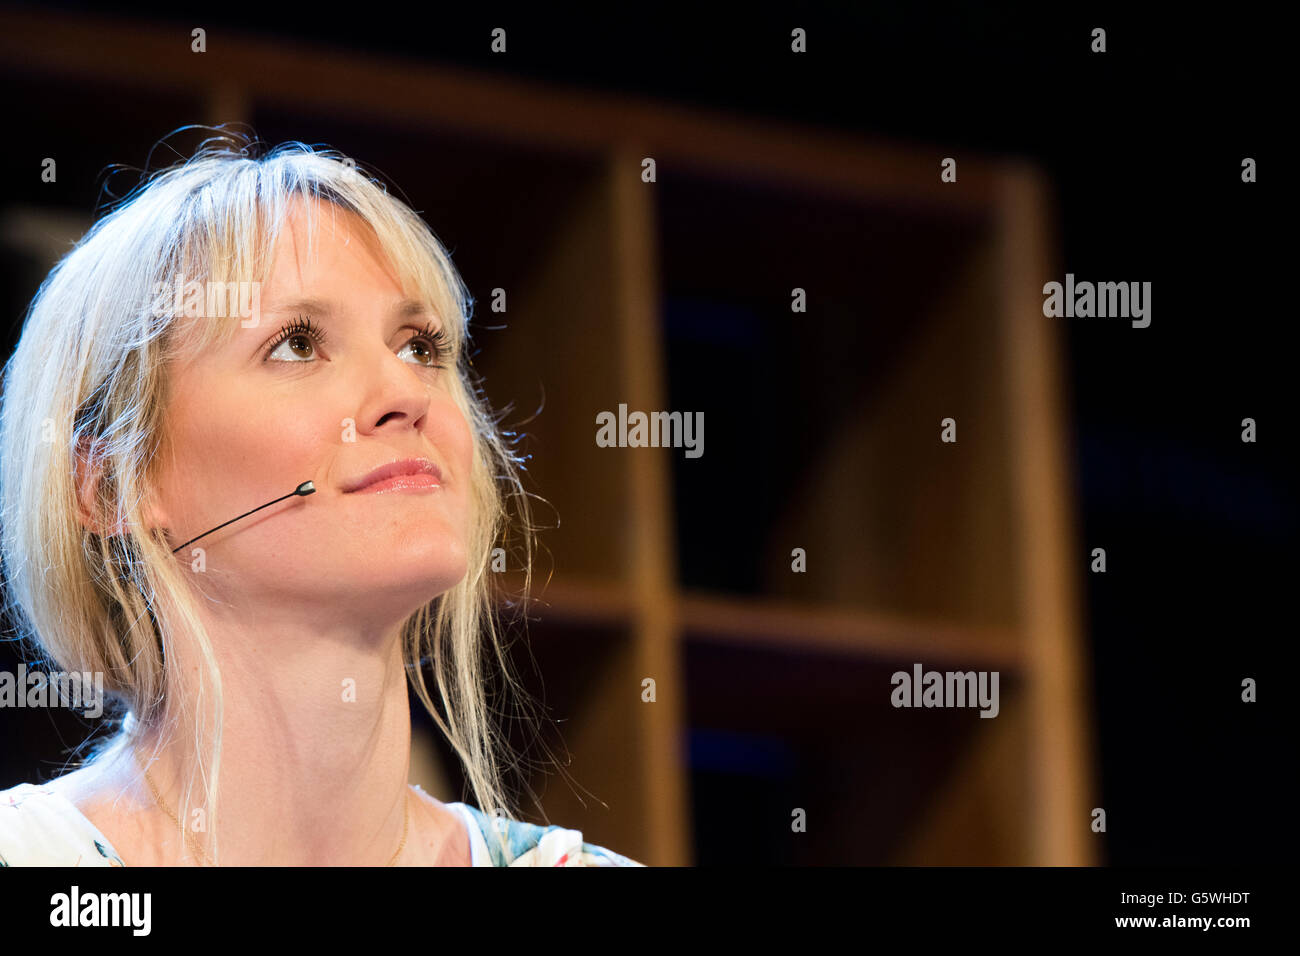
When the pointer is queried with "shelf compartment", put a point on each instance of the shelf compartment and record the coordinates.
(823, 429)
(772, 730)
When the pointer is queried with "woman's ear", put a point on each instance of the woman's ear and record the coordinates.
(89, 472)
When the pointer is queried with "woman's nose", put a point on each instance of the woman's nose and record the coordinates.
(393, 391)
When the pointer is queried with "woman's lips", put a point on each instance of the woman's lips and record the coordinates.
(404, 473)
(386, 476)
(400, 483)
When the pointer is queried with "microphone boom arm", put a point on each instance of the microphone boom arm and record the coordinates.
(306, 488)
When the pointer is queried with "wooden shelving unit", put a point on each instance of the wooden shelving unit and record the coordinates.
(822, 433)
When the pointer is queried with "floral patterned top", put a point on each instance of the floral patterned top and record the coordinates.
(41, 827)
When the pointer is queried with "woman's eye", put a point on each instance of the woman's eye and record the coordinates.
(423, 344)
(295, 343)
(299, 342)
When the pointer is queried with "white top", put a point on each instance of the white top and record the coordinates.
(41, 827)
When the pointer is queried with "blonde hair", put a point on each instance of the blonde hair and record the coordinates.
(90, 372)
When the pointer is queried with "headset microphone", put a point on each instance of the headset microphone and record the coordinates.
(306, 488)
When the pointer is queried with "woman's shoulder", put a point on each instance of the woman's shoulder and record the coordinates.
(40, 827)
(527, 844)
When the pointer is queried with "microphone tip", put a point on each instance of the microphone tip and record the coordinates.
(306, 488)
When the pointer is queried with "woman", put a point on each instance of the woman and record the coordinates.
(235, 328)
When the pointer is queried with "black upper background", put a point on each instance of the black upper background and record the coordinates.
(1144, 146)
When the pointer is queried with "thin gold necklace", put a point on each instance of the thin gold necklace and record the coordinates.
(198, 851)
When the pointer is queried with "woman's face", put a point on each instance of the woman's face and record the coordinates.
(250, 420)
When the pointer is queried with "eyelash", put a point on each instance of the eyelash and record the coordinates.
(303, 325)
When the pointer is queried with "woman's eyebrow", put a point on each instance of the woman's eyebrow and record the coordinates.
(322, 307)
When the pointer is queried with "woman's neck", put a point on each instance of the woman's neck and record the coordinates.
(314, 762)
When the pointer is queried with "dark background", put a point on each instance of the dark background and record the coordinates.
(1144, 146)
